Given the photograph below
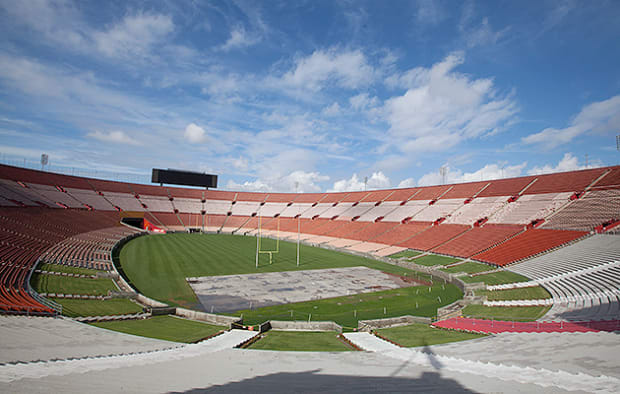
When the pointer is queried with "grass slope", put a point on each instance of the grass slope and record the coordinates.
(159, 264)
(300, 341)
(424, 335)
(163, 327)
(470, 267)
(67, 285)
(527, 293)
(496, 278)
(115, 306)
(405, 253)
(521, 313)
(347, 310)
(432, 259)
(66, 268)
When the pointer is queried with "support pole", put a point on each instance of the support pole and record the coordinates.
(257, 243)
(298, 230)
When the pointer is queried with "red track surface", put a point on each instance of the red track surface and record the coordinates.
(498, 326)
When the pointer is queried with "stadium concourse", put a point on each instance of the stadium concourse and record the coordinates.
(559, 230)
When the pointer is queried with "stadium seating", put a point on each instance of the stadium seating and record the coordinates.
(408, 210)
(401, 232)
(477, 208)
(478, 239)
(587, 212)
(441, 209)
(434, 236)
(530, 207)
(557, 183)
(527, 244)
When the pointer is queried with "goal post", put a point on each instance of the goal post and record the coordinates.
(259, 249)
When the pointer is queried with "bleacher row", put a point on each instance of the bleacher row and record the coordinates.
(26, 234)
(88, 250)
(498, 222)
(583, 278)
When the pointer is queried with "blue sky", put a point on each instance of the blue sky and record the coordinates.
(316, 93)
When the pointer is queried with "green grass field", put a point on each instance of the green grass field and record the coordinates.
(526, 293)
(115, 306)
(496, 278)
(435, 260)
(521, 313)
(424, 335)
(300, 341)
(405, 253)
(347, 310)
(67, 269)
(470, 267)
(163, 327)
(67, 285)
(158, 264)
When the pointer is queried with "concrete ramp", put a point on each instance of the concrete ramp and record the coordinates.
(40, 369)
(369, 342)
(228, 340)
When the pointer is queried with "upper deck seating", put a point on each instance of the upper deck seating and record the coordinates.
(357, 211)
(245, 208)
(478, 208)
(158, 203)
(91, 198)
(593, 209)
(574, 181)
(440, 209)
(381, 210)
(506, 187)
(217, 207)
(316, 210)
(408, 210)
(336, 210)
(530, 207)
(188, 205)
(271, 209)
(125, 201)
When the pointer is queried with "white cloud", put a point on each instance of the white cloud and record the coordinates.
(362, 101)
(442, 108)
(567, 163)
(348, 69)
(598, 117)
(117, 137)
(409, 182)
(488, 172)
(429, 12)
(134, 36)
(300, 181)
(377, 180)
(239, 38)
(195, 133)
(332, 110)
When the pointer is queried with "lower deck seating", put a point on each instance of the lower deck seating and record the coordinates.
(434, 236)
(25, 234)
(527, 244)
(401, 233)
(478, 239)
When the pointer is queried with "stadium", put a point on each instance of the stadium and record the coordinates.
(488, 263)
(309, 196)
